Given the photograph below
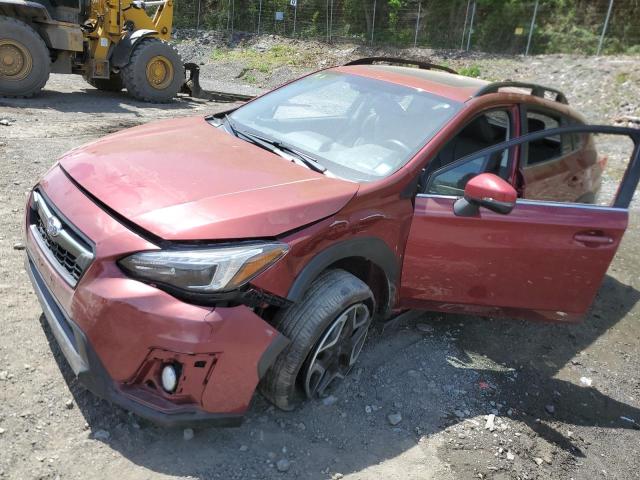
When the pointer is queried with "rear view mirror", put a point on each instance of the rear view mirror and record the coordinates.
(489, 191)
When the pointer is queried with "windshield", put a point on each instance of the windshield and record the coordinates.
(357, 128)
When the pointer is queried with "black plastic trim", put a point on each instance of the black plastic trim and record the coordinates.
(536, 90)
(370, 248)
(122, 52)
(400, 61)
(269, 356)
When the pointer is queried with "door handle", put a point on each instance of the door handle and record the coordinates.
(593, 239)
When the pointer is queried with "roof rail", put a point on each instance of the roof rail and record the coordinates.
(400, 61)
(536, 90)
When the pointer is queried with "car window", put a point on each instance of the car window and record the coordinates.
(332, 100)
(548, 148)
(447, 176)
(547, 163)
(591, 174)
(359, 128)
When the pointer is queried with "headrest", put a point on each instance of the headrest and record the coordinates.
(385, 105)
(534, 125)
(480, 130)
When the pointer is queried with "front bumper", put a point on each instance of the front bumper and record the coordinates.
(115, 332)
(91, 373)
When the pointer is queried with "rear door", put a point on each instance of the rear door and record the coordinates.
(545, 259)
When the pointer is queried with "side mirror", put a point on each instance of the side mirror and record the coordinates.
(489, 191)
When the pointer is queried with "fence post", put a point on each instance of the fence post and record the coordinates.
(228, 14)
(198, 19)
(473, 15)
(415, 37)
(330, 20)
(233, 15)
(259, 16)
(604, 28)
(533, 25)
(464, 27)
(295, 16)
(373, 21)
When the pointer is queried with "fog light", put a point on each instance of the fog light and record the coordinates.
(169, 378)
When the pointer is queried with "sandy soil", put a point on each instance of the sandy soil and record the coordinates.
(443, 374)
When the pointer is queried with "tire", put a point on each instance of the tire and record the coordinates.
(113, 84)
(307, 324)
(135, 73)
(25, 61)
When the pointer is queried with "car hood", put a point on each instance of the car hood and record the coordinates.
(184, 179)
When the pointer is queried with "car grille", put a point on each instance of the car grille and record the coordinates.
(62, 244)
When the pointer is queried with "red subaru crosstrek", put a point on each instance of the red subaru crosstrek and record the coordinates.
(182, 263)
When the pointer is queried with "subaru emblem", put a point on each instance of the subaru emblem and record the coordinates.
(53, 226)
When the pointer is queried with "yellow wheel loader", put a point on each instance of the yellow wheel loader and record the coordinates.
(113, 44)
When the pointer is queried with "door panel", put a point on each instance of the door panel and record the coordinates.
(528, 263)
(543, 260)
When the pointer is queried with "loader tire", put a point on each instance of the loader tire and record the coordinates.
(154, 73)
(113, 84)
(25, 61)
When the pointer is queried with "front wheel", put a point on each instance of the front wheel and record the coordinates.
(327, 330)
(155, 71)
(25, 61)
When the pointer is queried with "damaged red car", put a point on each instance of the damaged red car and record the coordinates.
(184, 263)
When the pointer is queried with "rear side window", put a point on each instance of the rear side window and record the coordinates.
(552, 147)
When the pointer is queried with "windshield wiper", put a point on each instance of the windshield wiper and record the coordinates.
(277, 147)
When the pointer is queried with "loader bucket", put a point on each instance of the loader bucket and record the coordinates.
(192, 88)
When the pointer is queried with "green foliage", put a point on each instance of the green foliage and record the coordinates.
(263, 62)
(562, 26)
(470, 71)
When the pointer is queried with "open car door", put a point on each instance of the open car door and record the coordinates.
(488, 245)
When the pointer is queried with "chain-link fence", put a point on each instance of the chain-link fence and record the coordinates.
(502, 26)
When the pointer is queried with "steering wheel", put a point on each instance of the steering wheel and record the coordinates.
(397, 145)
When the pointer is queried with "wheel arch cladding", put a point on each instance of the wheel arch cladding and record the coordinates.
(368, 258)
(122, 51)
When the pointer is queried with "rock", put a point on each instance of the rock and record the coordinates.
(510, 412)
(18, 246)
(538, 461)
(458, 413)
(4, 122)
(394, 418)
(510, 456)
(330, 400)
(101, 435)
(424, 328)
(586, 381)
(243, 448)
(69, 404)
(550, 409)
(2, 430)
(337, 476)
(283, 465)
(4, 375)
(490, 425)
(367, 409)
(188, 434)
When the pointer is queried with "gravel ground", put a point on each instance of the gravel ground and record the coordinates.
(442, 397)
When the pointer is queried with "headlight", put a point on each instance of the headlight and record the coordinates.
(211, 269)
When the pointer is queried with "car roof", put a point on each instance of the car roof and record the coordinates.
(448, 85)
(453, 86)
